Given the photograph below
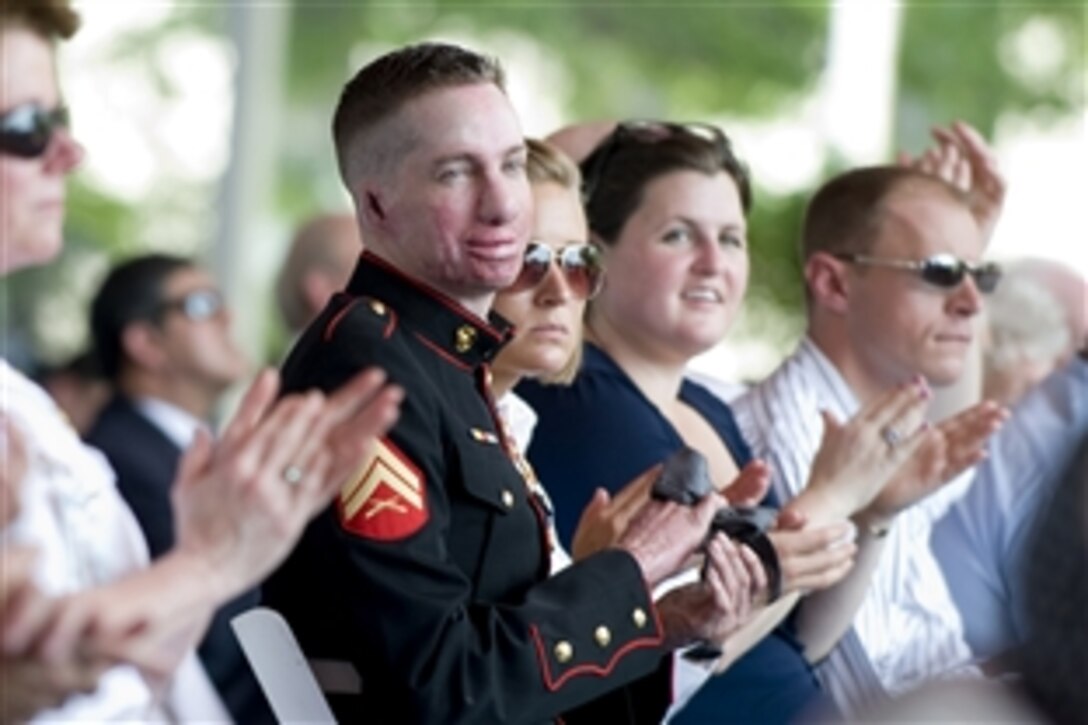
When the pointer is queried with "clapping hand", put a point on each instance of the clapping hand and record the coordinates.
(945, 452)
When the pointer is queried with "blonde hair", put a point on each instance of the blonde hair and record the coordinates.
(546, 164)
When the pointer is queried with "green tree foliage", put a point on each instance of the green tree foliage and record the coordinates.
(680, 60)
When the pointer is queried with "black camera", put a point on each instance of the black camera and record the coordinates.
(685, 479)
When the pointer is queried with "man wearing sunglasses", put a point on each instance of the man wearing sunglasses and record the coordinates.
(162, 338)
(895, 280)
(423, 595)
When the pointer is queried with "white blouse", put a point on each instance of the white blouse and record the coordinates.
(71, 512)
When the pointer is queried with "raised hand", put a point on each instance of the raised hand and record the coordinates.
(962, 157)
(712, 609)
(945, 452)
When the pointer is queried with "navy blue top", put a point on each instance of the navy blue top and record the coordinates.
(601, 431)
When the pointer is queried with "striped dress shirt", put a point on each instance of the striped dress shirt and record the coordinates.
(907, 630)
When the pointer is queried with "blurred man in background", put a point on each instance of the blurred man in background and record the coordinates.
(162, 337)
(323, 252)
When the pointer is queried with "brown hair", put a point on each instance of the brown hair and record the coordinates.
(546, 164)
(50, 19)
(382, 86)
(846, 214)
(618, 171)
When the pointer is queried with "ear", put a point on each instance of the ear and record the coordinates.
(826, 279)
(141, 345)
(373, 209)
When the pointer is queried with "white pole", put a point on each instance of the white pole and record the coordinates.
(859, 83)
(246, 247)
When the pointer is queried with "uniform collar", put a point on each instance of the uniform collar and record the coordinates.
(444, 323)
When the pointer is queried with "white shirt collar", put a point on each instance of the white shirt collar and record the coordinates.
(836, 386)
(180, 426)
(519, 417)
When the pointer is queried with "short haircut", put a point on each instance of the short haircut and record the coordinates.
(50, 19)
(546, 164)
(621, 169)
(132, 291)
(847, 213)
(383, 86)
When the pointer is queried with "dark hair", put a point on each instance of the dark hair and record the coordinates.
(132, 291)
(847, 212)
(618, 171)
(50, 19)
(382, 86)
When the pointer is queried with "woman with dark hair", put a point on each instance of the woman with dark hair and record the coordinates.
(668, 204)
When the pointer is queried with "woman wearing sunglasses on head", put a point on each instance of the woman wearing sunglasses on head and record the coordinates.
(90, 631)
(668, 205)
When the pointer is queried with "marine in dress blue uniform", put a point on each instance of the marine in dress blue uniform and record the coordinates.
(429, 575)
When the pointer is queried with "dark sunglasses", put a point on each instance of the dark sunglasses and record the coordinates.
(198, 305)
(646, 132)
(941, 270)
(26, 130)
(581, 265)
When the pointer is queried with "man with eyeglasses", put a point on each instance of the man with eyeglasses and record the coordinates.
(894, 282)
(161, 335)
(423, 594)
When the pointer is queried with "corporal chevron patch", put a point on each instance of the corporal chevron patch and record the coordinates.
(387, 500)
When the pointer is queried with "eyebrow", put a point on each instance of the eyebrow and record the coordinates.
(695, 224)
(469, 157)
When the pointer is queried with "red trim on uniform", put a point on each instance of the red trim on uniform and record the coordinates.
(391, 325)
(437, 349)
(588, 669)
(331, 327)
(445, 301)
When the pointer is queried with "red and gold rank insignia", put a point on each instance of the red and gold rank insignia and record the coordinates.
(386, 500)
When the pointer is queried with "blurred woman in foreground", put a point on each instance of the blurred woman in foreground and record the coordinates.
(87, 626)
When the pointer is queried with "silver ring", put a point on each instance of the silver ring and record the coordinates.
(891, 436)
(292, 475)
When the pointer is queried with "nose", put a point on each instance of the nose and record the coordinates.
(553, 290)
(710, 257)
(503, 198)
(64, 152)
(965, 300)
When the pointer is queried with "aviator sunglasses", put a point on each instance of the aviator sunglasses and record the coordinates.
(580, 264)
(941, 270)
(27, 129)
(198, 305)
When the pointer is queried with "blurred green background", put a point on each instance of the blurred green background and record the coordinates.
(227, 105)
